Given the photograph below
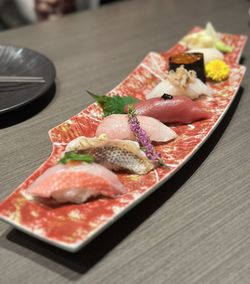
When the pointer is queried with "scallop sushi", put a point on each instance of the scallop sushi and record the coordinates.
(76, 182)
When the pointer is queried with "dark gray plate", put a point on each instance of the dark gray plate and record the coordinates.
(19, 61)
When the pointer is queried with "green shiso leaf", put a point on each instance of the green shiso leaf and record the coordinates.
(73, 156)
(114, 104)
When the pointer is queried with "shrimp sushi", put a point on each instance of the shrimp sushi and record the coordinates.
(181, 83)
(116, 126)
(114, 154)
(76, 182)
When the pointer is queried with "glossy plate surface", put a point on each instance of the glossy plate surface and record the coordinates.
(71, 226)
(18, 61)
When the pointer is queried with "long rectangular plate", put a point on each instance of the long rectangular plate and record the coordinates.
(72, 226)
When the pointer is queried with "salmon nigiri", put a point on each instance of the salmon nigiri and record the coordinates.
(169, 109)
(116, 126)
(76, 182)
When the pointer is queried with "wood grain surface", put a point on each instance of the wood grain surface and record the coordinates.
(195, 228)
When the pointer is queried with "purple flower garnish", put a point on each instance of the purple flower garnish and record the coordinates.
(143, 139)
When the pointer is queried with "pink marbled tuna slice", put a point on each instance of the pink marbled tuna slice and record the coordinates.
(172, 109)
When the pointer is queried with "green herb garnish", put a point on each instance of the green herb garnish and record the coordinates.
(221, 46)
(73, 156)
(114, 104)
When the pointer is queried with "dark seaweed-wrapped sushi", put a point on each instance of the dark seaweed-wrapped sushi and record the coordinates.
(190, 61)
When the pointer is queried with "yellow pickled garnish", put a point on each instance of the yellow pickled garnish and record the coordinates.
(217, 70)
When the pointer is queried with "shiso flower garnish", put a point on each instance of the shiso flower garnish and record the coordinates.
(143, 139)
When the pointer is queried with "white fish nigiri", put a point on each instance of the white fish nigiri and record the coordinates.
(209, 53)
(193, 91)
(76, 183)
(116, 126)
(181, 83)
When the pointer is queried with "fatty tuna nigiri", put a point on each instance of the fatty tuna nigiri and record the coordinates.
(116, 126)
(170, 109)
(76, 183)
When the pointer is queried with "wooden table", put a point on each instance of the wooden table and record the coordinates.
(197, 232)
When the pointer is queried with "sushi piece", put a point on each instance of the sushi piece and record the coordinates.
(169, 109)
(76, 183)
(205, 39)
(190, 61)
(114, 154)
(116, 126)
(209, 54)
(181, 83)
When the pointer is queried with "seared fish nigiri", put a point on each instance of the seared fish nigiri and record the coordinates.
(114, 154)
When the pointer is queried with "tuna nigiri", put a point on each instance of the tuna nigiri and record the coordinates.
(180, 83)
(116, 126)
(169, 109)
(114, 154)
(76, 183)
